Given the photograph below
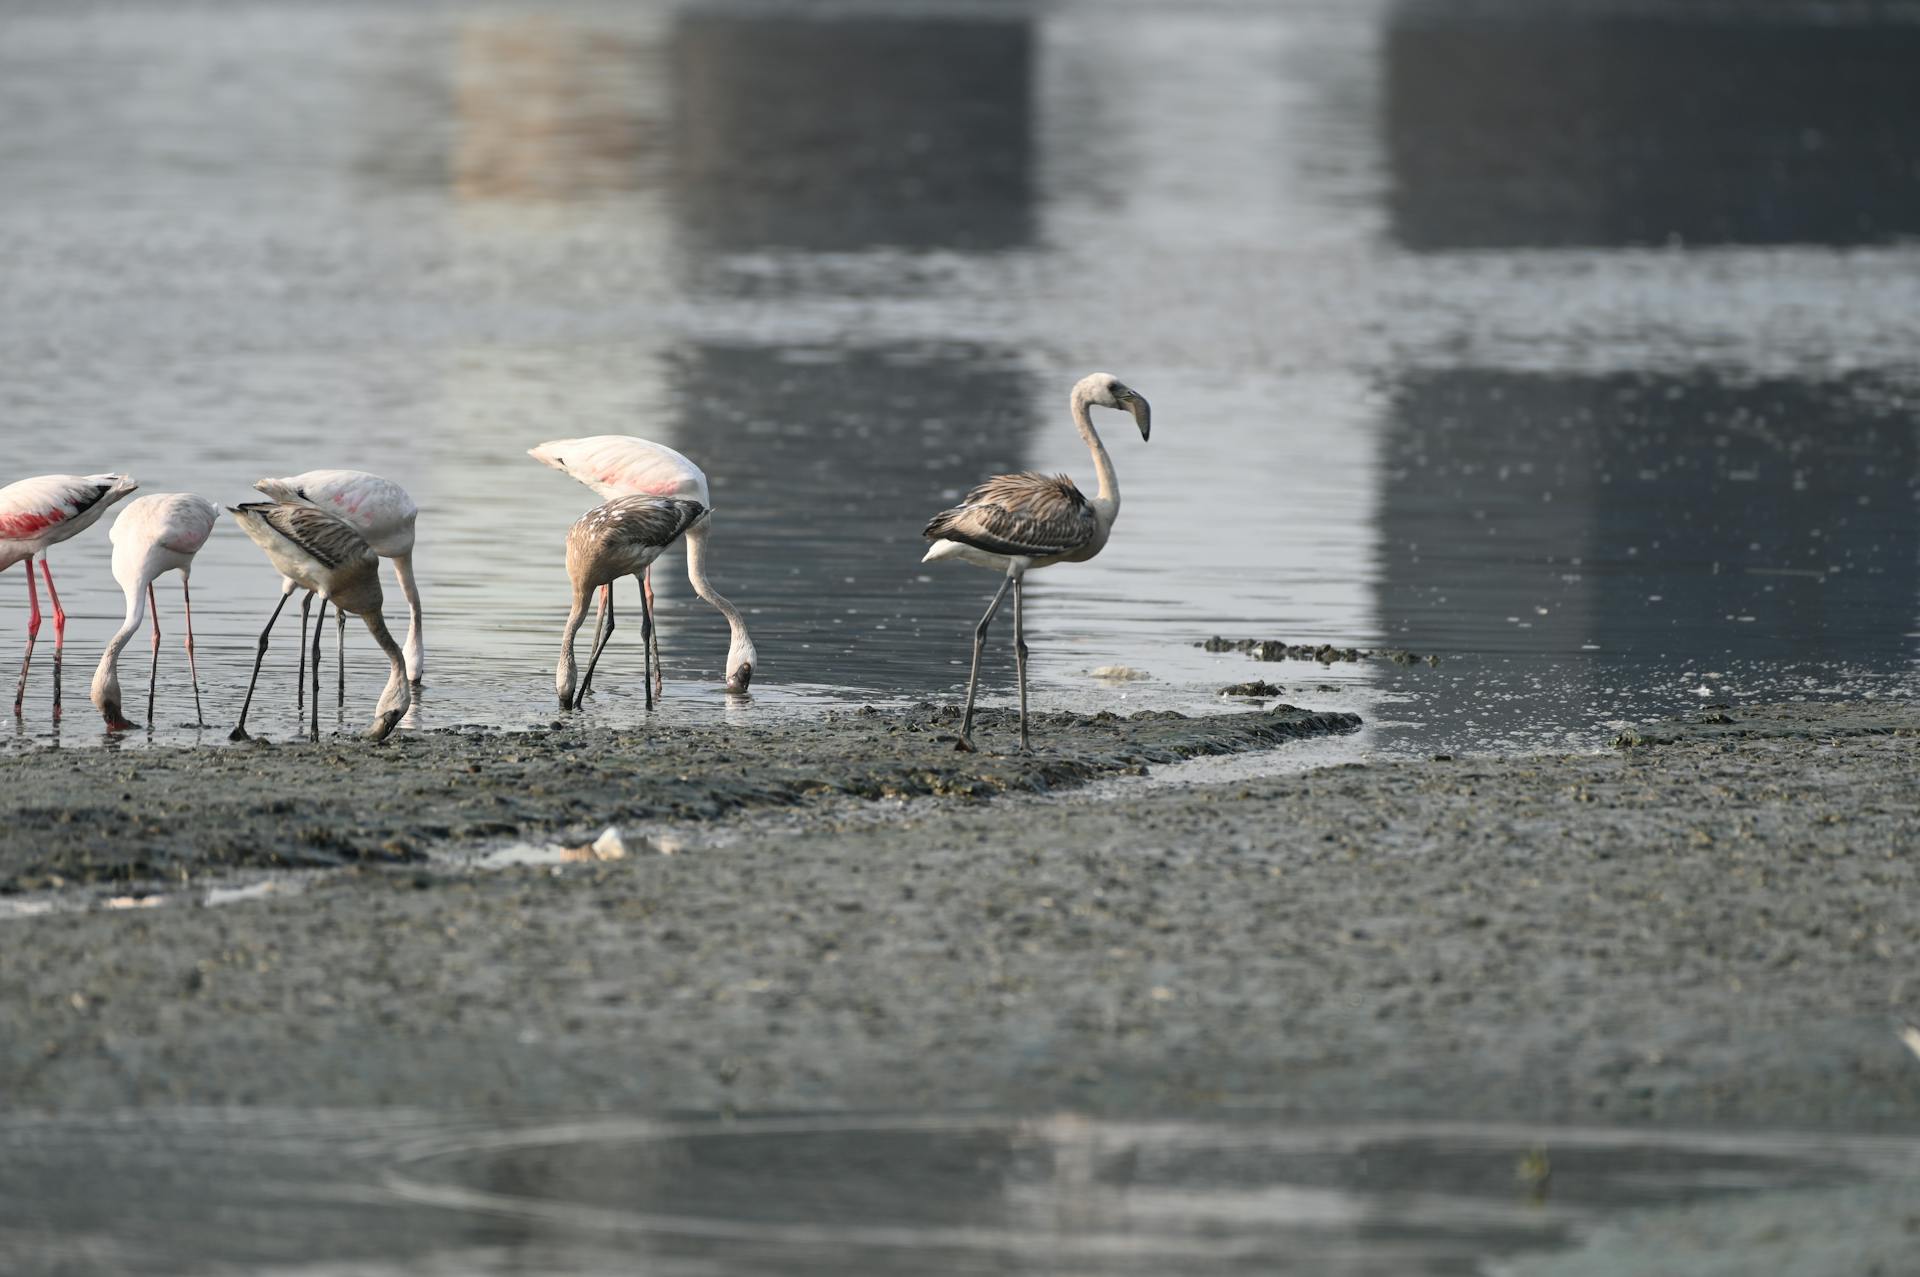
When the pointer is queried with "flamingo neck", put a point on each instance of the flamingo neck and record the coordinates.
(697, 574)
(415, 649)
(106, 678)
(1109, 494)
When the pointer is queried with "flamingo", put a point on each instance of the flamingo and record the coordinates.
(383, 514)
(318, 552)
(1014, 523)
(623, 466)
(621, 538)
(37, 513)
(153, 534)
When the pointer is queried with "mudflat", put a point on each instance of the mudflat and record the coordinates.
(1715, 922)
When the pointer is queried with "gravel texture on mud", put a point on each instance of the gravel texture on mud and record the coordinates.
(1721, 927)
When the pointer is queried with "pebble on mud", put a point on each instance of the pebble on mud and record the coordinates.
(1258, 687)
(1118, 673)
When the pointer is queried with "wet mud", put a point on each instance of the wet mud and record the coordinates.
(1720, 930)
(156, 817)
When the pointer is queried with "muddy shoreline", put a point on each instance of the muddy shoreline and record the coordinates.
(1717, 926)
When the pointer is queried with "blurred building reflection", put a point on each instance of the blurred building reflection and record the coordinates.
(847, 133)
(1650, 515)
(1555, 129)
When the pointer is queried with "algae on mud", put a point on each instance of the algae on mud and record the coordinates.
(141, 816)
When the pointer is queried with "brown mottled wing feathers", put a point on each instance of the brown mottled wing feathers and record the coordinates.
(1028, 515)
(327, 539)
(642, 520)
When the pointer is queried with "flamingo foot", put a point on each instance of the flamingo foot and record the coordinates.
(961, 745)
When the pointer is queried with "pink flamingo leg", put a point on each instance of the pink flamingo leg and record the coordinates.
(186, 592)
(153, 674)
(33, 632)
(653, 633)
(59, 631)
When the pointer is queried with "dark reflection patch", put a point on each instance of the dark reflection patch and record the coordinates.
(1559, 130)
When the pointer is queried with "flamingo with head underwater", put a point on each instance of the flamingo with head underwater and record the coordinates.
(157, 533)
(1015, 523)
(318, 552)
(383, 513)
(34, 514)
(622, 466)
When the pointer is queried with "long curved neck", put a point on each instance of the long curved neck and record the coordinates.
(395, 693)
(697, 574)
(1109, 493)
(567, 673)
(109, 671)
(403, 573)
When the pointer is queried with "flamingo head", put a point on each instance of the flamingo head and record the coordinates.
(106, 697)
(1107, 390)
(391, 709)
(740, 660)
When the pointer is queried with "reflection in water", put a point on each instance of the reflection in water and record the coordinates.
(1541, 128)
(378, 1192)
(844, 133)
(1618, 525)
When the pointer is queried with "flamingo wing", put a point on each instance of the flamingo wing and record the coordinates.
(332, 543)
(39, 509)
(1028, 515)
(622, 466)
(378, 509)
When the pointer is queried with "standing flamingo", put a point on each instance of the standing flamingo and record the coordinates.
(37, 513)
(623, 466)
(317, 552)
(383, 514)
(153, 534)
(1014, 523)
(621, 538)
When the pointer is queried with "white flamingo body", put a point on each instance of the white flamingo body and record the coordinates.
(40, 512)
(319, 553)
(382, 512)
(616, 466)
(152, 535)
(623, 466)
(1014, 523)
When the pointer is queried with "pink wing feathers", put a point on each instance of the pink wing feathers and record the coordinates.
(623, 466)
(378, 509)
(52, 507)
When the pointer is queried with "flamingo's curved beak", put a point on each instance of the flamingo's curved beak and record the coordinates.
(738, 680)
(383, 725)
(1142, 414)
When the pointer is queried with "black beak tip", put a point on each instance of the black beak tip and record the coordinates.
(739, 680)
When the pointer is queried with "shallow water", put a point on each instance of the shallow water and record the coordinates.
(1575, 348)
(363, 1193)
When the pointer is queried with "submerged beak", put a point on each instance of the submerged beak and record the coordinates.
(738, 680)
(383, 726)
(1142, 415)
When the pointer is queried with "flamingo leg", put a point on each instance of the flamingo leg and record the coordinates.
(153, 671)
(659, 666)
(33, 630)
(965, 743)
(300, 680)
(59, 630)
(319, 631)
(340, 655)
(646, 638)
(1020, 660)
(600, 641)
(186, 593)
(239, 731)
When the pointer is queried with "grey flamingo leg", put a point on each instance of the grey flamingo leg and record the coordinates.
(340, 655)
(300, 680)
(153, 671)
(239, 731)
(646, 639)
(599, 642)
(659, 666)
(33, 631)
(1020, 660)
(965, 743)
(319, 632)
